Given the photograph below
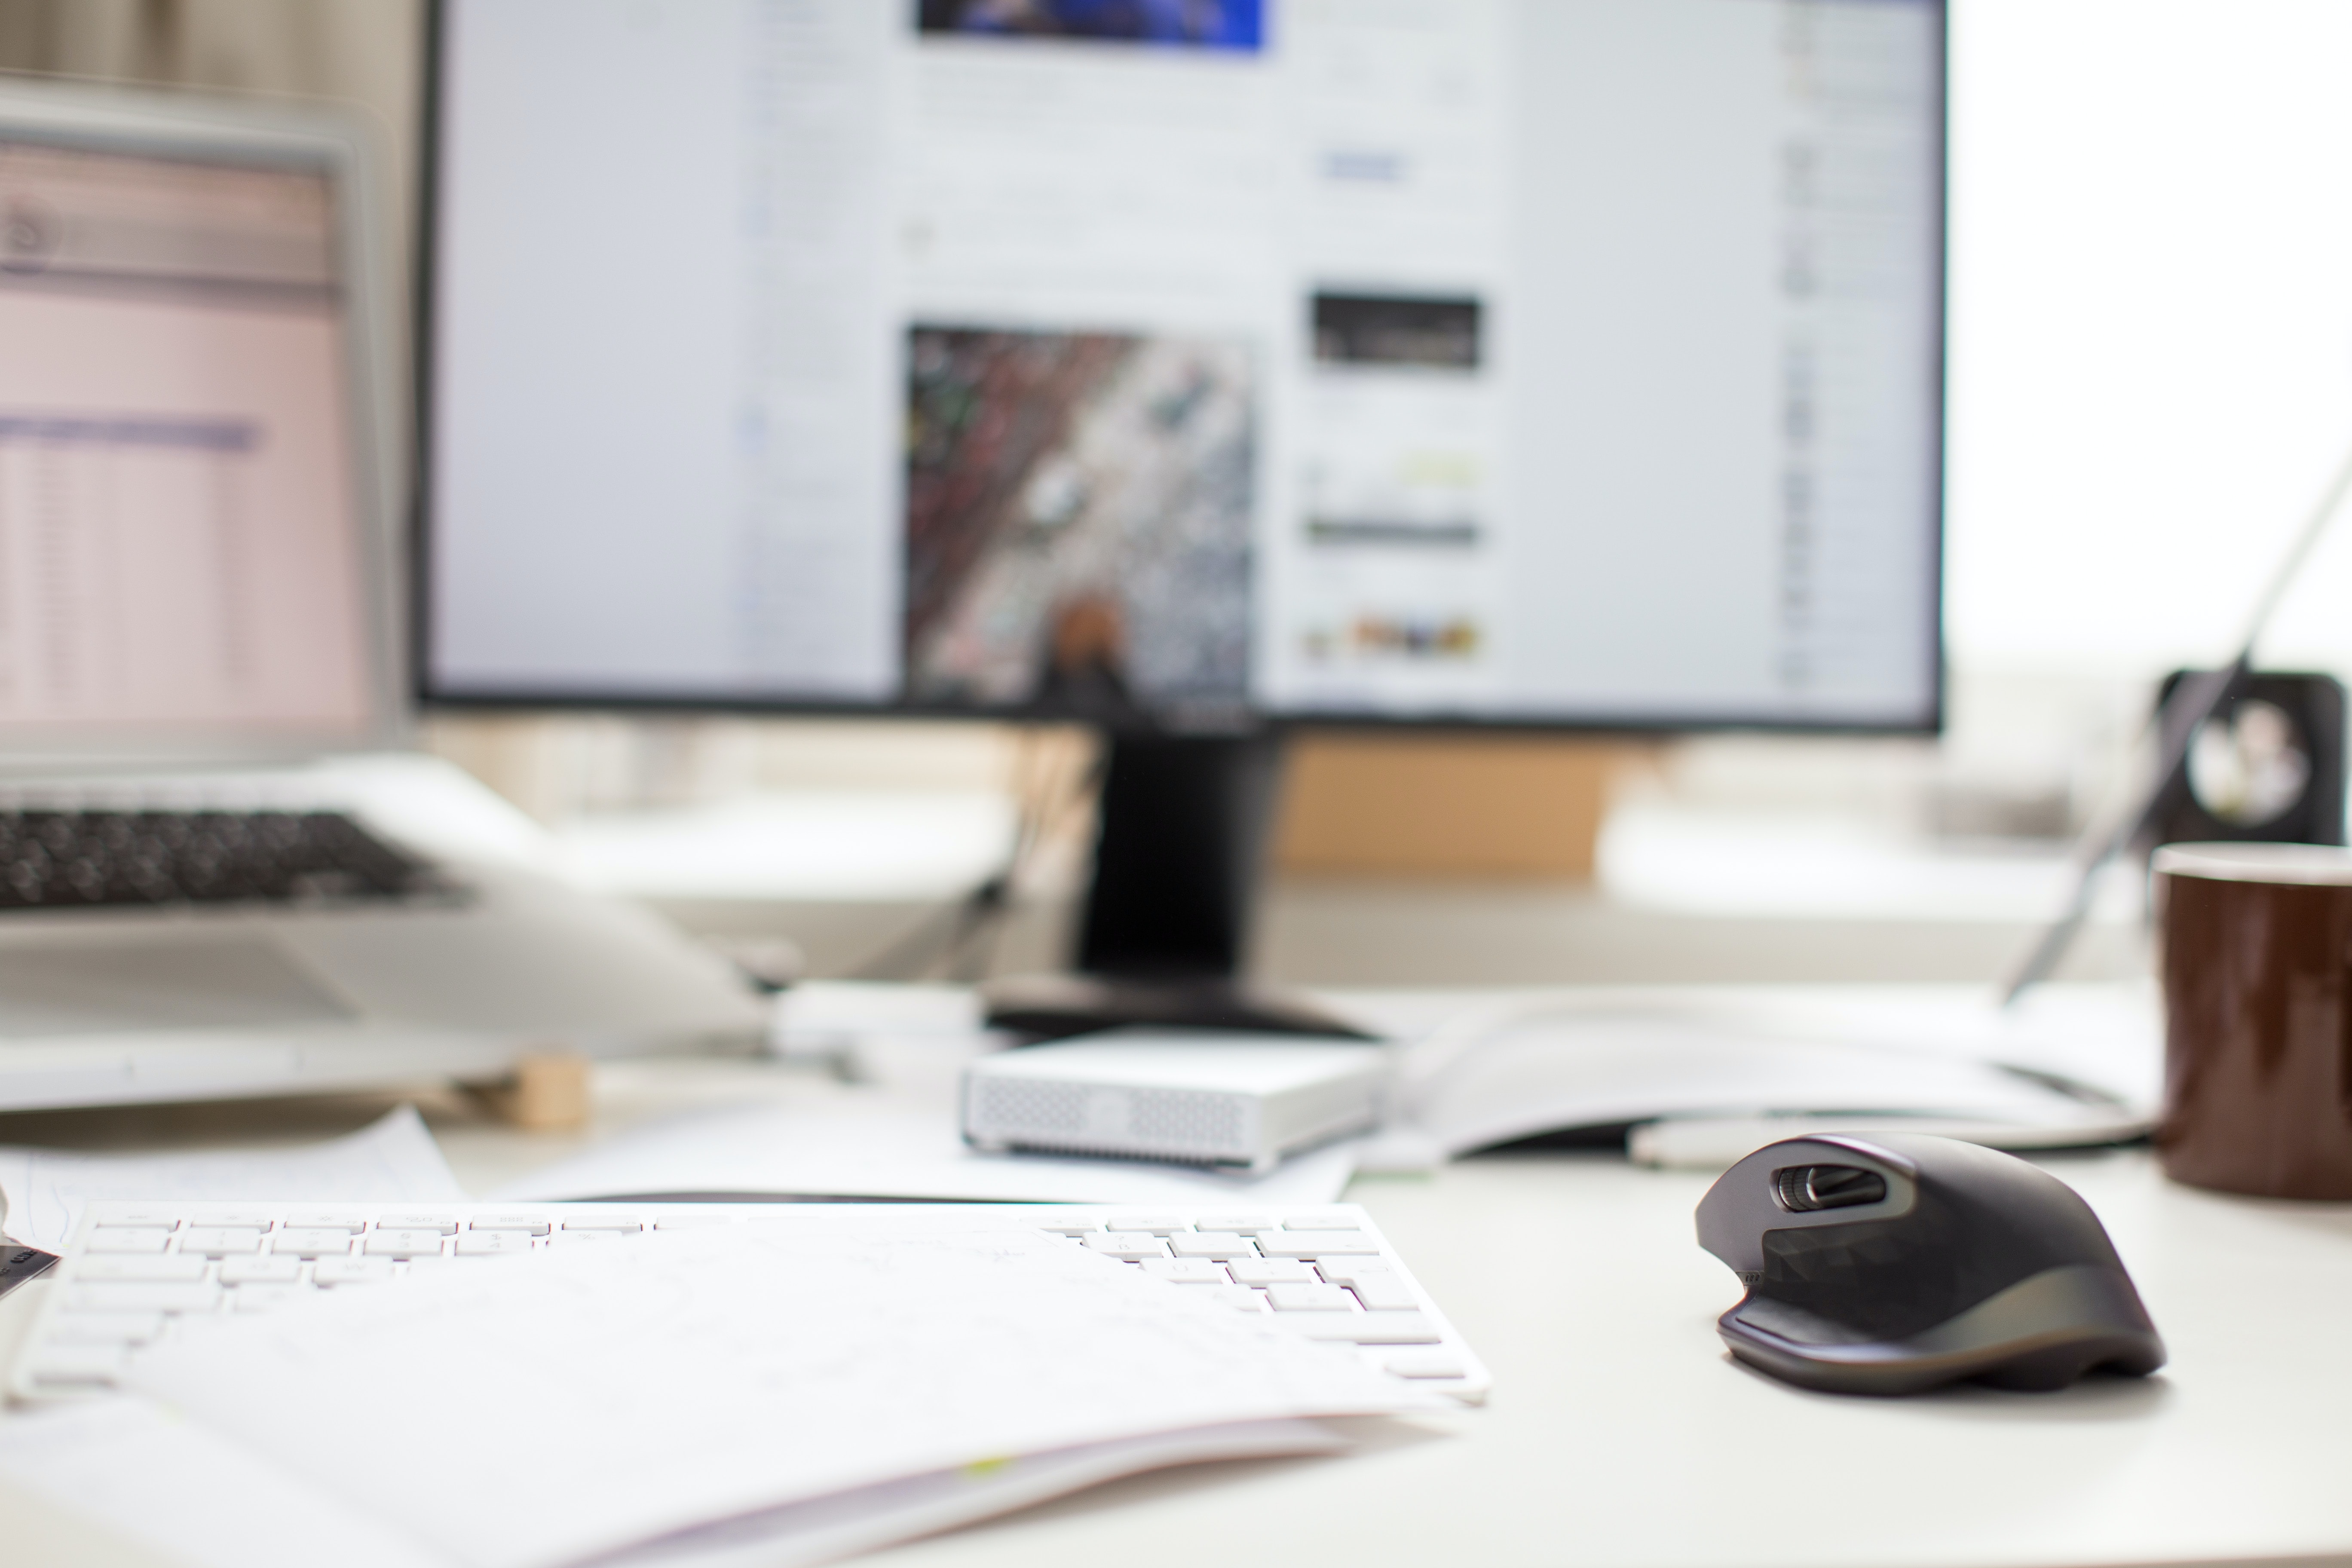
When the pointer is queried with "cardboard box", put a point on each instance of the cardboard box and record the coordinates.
(1377, 803)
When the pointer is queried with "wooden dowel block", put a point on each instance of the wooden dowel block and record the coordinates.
(547, 1093)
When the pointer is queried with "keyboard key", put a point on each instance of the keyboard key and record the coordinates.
(1263, 1272)
(142, 1218)
(1348, 1270)
(1071, 1228)
(1246, 1224)
(1310, 1298)
(349, 1224)
(1129, 1245)
(305, 1241)
(260, 1271)
(240, 1218)
(144, 1238)
(581, 1237)
(404, 1243)
(1184, 1272)
(261, 1298)
(1153, 1223)
(1365, 1327)
(1425, 1363)
(625, 1223)
(166, 1269)
(526, 1223)
(1291, 1243)
(1384, 1293)
(203, 1296)
(352, 1270)
(106, 1328)
(1217, 1244)
(1324, 1222)
(439, 1224)
(219, 1241)
(493, 1243)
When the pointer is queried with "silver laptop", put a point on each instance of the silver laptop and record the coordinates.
(220, 873)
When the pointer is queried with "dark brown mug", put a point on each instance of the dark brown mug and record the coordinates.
(2257, 968)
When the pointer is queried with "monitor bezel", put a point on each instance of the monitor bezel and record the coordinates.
(432, 695)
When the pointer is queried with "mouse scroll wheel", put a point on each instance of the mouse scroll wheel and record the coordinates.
(1802, 1189)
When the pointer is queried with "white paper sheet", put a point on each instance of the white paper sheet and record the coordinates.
(393, 1159)
(535, 1411)
(867, 1145)
(144, 1474)
(871, 1517)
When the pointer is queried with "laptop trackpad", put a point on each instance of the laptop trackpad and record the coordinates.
(160, 986)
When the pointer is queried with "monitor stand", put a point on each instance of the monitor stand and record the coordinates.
(1181, 827)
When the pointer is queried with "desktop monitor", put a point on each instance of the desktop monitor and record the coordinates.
(1189, 367)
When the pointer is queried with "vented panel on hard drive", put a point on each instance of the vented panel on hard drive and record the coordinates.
(1100, 1118)
(1225, 1098)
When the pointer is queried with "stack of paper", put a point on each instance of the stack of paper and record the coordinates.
(768, 1393)
(138, 1471)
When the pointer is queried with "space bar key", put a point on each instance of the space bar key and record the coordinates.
(1363, 1328)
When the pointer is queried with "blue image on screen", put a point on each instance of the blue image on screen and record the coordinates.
(1183, 24)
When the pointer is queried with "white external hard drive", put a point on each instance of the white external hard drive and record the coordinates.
(1209, 1098)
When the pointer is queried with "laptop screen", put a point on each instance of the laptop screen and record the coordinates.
(180, 556)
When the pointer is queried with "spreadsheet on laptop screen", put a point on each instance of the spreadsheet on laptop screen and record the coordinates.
(179, 555)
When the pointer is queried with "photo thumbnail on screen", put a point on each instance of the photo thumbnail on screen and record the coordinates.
(1185, 23)
(1393, 330)
(1078, 521)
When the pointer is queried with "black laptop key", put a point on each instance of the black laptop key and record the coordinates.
(69, 859)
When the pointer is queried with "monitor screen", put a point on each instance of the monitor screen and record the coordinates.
(179, 544)
(1545, 362)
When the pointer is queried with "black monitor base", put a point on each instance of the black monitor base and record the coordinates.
(1044, 1008)
(1179, 827)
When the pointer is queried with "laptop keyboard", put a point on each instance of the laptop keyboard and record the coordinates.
(79, 859)
(135, 1272)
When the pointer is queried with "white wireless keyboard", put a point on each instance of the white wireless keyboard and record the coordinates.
(133, 1272)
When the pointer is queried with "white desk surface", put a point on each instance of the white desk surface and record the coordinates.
(1620, 1433)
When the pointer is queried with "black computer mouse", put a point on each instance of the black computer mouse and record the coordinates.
(1888, 1263)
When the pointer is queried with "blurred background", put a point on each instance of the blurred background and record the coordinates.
(2151, 379)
